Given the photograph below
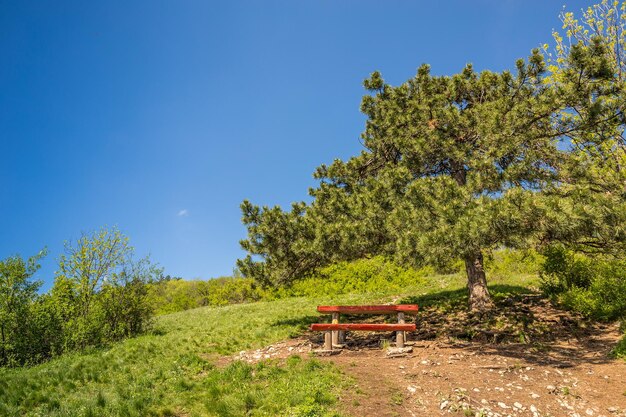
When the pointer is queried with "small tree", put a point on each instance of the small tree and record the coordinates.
(17, 293)
(588, 67)
(100, 292)
(452, 167)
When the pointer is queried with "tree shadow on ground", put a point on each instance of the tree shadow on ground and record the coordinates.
(458, 298)
(523, 325)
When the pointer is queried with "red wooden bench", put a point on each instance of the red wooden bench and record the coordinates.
(335, 330)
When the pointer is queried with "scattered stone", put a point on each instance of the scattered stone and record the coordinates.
(518, 405)
(412, 389)
(396, 352)
(503, 405)
(534, 396)
(444, 404)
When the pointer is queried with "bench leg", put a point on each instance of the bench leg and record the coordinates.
(328, 340)
(335, 332)
(400, 337)
(342, 337)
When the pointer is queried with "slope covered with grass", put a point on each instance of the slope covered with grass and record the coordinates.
(174, 371)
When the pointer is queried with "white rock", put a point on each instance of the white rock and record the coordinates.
(533, 408)
(535, 396)
(589, 412)
(411, 389)
(518, 405)
(503, 405)
(443, 405)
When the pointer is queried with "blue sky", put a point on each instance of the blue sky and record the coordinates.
(160, 117)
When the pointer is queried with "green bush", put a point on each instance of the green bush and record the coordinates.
(505, 262)
(619, 351)
(369, 275)
(178, 295)
(373, 275)
(593, 287)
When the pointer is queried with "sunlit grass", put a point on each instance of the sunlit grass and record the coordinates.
(173, 371)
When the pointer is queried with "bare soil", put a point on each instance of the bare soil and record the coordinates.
(526, 358)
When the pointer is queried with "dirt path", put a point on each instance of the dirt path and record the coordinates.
(444, 379)
(565, 371)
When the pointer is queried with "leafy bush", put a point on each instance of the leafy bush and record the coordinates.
(619, 351)
(369, 275)
(99, 296)
(505, 262)
(100, 290)
(177, 295)
(17, 323)
(373, 275)
(594, 287)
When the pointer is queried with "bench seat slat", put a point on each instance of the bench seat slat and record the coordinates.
(363, 326)
(371, 309)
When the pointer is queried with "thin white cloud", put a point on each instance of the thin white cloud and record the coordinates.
(183, 213)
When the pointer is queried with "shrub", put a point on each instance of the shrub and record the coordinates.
(377, 275)
(594, 287)
(619, 351)
(505, 262)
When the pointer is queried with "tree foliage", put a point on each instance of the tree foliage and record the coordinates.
(451, 168)
(17, 293)
(100, 291)
(100, 295)
(588, 204)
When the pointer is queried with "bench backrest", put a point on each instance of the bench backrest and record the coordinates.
(370, 309)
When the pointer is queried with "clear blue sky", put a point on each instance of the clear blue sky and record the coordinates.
(160, 117)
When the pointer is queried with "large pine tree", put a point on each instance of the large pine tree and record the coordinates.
(451, 168)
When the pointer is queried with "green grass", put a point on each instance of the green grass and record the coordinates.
(173, 371)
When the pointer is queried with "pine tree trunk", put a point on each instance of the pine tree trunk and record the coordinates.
(479, 298)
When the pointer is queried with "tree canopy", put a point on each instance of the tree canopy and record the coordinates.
(452, 167)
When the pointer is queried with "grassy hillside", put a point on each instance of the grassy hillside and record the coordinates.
(173, 371)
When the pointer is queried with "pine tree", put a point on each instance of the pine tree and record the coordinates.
(452, 167)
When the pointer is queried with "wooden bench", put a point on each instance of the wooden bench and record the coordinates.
(335, 331)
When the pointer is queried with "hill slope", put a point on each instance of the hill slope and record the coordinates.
(186, 367)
